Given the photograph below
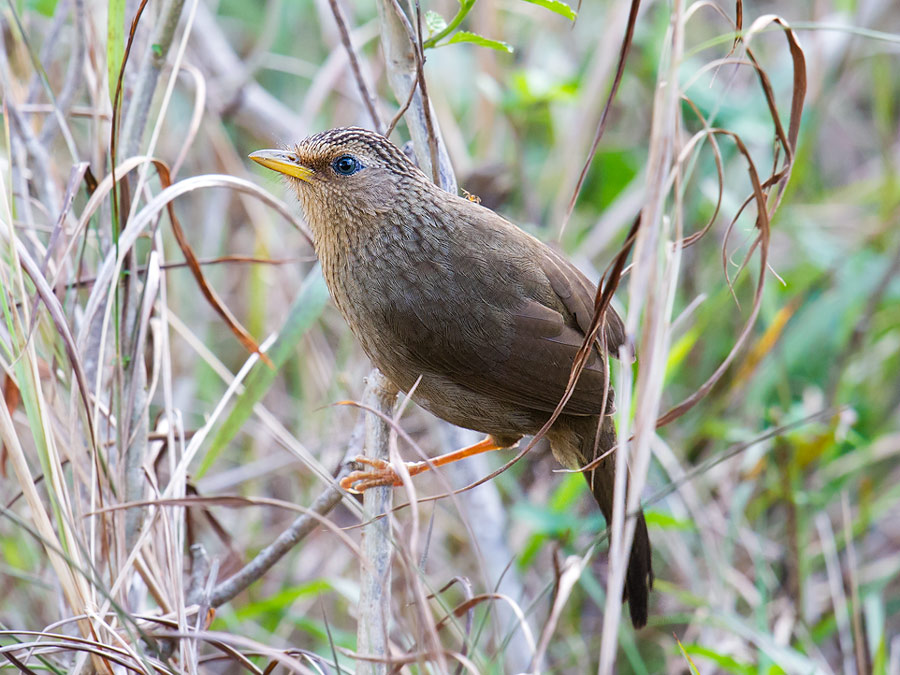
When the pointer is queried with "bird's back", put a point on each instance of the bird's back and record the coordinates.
(454, 293)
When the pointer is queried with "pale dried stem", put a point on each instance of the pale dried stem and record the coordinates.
(40, 163)
(398, 43)
(148, 77)
(73, 82)
(836, 588)
(651, 286)
(571, 573)
(859, 640)
(134, 424)
(373, 627)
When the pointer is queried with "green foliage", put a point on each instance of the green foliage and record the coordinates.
(480, 40)
(45, 7)
(438, 28)
(557, 7)
(666, 521)
(115, 43)
(434, 22)
(739, 532)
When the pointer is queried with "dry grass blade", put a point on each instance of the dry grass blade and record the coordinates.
(601, 125)
(125, 398)
(135, 228)
(231, 502)
(46, 295)
(763, 241)
(211, 296)
(199, 109)
(765, 207)
(565, 582)
(117, 109)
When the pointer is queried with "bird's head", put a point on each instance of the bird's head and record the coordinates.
(345, 175)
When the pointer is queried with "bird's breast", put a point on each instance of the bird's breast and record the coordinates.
(369, 280)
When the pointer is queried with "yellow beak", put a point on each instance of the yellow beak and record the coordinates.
(282, 162)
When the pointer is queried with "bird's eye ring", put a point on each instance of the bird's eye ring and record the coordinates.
(346, 165)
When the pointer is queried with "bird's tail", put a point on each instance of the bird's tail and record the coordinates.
(579, 439)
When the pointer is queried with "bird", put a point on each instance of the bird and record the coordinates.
(480, 320)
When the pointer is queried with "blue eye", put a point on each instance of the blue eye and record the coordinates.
(346, 165)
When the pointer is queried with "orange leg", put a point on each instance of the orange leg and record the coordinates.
(382, 473)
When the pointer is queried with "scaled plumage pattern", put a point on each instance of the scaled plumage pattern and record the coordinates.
(437, 287)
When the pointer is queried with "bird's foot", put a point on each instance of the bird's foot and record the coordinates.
(381, 474)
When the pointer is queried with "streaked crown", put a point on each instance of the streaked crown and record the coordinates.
(320, 150)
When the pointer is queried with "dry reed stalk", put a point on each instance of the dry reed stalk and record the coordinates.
(374, 616)
(651, 293)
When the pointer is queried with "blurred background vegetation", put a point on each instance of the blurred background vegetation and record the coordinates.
(776, 556)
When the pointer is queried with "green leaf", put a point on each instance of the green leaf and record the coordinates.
(569, 492)
(45, 7)
(879, 665)
(303, 313)
(725, 662)
(280, 602)
(480, 40)
(665, 521)
(115, 43)
(556, 7)
(434, 22)
(682, 347)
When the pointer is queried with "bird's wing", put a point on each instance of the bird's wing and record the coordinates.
(577, 294)
(536, 373)
(519, 346)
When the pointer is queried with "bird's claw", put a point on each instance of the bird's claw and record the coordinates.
(381, 474)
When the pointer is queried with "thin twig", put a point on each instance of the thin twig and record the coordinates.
(404, 69)
(601, 125)
(151, 67)
(426, 104)
(367, 96)
(298, 530)
(271, 554)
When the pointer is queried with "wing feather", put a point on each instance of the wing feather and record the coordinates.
(513, 324)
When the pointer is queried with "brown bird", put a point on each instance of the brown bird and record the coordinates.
(443, 292)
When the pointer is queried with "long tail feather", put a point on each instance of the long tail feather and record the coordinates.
(578, 440)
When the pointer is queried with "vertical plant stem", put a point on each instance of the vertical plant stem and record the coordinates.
(404, 71)
(145, 87)
(651, 293)
(375, 579)
(398, 40)
(137, 416)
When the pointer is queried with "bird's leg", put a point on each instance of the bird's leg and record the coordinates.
(382, 473)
